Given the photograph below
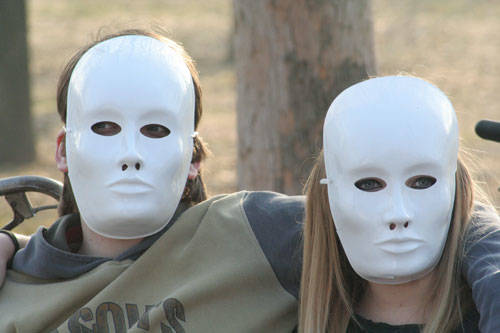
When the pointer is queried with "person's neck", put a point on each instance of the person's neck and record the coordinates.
(94, 244)
(400, 304)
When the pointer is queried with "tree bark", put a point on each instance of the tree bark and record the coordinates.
(292, 59)
(16, 139)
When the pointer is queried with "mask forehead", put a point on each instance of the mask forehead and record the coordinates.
(130, 75)
(390, 119)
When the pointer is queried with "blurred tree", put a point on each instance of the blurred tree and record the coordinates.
(16, 139)
(292, 59)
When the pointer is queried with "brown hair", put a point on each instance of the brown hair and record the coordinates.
(330, 288)
(195, 190)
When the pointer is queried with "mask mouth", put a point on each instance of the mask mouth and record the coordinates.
(133, 185)
(399, 245)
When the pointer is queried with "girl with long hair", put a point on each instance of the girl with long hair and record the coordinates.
(388, 205)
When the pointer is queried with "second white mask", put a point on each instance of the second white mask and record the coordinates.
(390, 148)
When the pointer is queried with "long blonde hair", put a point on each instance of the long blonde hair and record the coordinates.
(330, 288)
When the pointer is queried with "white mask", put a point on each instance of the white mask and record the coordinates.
(129, 141)
(394, 135)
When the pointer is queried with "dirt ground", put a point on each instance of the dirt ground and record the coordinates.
(453, 43)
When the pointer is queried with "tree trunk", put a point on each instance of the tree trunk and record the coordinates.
(292, 59)
(16, 140)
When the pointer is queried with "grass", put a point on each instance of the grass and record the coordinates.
(453, 43)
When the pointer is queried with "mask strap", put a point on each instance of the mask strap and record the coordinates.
(324, 181)
(194, 135)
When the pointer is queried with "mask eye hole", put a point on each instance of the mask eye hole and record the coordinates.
(420, 182)
(106, 128)
(370, 184)
(155, 131)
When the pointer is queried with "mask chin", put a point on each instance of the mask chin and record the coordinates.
(400, 278)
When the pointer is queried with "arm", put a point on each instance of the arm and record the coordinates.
(7, 251)
(482, 267)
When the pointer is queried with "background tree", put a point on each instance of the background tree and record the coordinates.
(292, 58)
(16, 139)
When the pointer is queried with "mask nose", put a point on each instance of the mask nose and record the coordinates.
(130, 158)
(397, 217)
(137, 165)
(399, 225)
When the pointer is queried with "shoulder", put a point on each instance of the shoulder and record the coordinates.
(276, 220)
(482, 243)
(275, 206)
(261, 209)
(483, 229)
(219, 208)
(482, 265)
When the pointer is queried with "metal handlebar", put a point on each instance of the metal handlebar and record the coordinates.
(14, 189)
